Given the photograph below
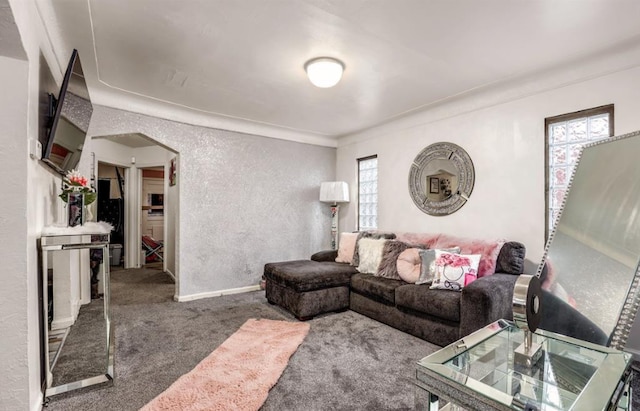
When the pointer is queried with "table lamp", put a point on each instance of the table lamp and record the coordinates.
(334, 192)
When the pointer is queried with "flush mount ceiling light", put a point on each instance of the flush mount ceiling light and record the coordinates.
(324, 72)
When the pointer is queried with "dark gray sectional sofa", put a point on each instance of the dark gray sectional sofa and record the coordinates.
(320, 285)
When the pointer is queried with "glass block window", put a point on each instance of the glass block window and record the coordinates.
(566, 134)
(368, 193)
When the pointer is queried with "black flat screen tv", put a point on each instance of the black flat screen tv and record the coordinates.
(69, 116)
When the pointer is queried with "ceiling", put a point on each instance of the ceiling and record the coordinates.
(238, 64)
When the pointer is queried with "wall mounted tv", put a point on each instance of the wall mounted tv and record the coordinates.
(68, 122)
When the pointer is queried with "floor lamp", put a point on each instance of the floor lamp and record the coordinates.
(334, 192)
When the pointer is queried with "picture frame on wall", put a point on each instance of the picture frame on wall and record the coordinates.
(434, 185)
(172, 172)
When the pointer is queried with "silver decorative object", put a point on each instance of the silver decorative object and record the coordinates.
(441, 179)
(526, 314)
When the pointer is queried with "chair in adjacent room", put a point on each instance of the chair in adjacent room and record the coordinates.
(153, 249)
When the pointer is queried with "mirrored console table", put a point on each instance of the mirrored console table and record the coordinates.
(77, 330)
(478, 372)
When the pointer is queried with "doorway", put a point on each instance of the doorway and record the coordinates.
(111, 208)
(152, 216)
(142, 158)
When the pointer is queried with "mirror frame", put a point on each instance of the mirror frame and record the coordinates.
(418, 181)
(620, 334)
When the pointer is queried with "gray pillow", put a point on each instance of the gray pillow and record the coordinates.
(388, 267)
(368, 234)
(428, 257)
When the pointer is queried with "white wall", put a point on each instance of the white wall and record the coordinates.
(14, 293)
(29, 203)
(506, 143)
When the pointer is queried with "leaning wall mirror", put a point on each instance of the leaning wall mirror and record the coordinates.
(441, 179)
(76, 329)
(590, 269)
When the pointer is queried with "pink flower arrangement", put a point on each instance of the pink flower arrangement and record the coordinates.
(452, 260)
(74, 182)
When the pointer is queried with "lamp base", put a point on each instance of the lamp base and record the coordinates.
(335, 209)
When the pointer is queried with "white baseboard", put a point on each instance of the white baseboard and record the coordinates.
(191, 297)
(62, 323)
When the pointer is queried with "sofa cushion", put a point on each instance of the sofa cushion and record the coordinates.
(346, 247)
(438, 303)
(325, 255)
(409, 265)
(370, 252)
(379, 288)
(368, 234)
(488, 249)
(428, 266)
(388, 267)
(454, 271)
(511, 258)
(307, 275)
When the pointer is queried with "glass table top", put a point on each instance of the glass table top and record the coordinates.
(568, 369)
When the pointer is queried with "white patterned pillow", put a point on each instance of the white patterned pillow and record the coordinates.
(454, 271)
(370, 254)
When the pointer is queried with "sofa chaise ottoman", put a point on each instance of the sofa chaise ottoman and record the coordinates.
(308, 288)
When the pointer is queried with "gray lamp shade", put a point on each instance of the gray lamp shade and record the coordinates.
(334, 192)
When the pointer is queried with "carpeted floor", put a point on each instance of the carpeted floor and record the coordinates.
(347, 362)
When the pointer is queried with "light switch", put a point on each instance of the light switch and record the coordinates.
(35, 149)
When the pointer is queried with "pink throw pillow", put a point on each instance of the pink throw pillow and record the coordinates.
(346, 247)
(409, 265)
(487, 249)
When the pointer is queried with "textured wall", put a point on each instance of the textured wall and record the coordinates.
(244, 200)
(13, 226)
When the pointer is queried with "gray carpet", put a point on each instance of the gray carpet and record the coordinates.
(347, 362)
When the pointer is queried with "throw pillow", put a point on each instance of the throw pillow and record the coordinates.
(428, 267)
(370, 251)
(368, 234)
(388, 266)
(454, 271)
(488, 249)
(409, 264)
(346, 247)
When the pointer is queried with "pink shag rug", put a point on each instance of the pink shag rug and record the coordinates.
(239, 373)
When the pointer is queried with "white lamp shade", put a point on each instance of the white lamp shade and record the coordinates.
(334, 192)
(324, 72)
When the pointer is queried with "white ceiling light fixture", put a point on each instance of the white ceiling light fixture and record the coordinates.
(324, 72)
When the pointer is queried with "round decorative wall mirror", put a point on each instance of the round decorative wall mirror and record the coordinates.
(441, 179)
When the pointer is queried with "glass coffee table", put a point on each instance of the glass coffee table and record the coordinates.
(477, 372)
